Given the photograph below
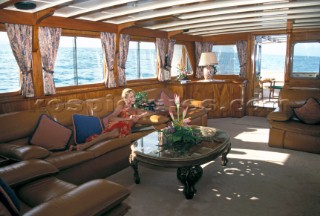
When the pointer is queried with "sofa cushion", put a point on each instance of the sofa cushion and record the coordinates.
(23, 152)
(8, 199)
(309, 113)
(85, 126)
(297, 127)
(105, 120)
(50, 134)
(27, 121)
(23, 172)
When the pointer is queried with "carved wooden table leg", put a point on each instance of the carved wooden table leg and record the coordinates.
(134, 164)
(224, 159)
(188, 176)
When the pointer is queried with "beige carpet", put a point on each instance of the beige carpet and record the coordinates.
(258, 180)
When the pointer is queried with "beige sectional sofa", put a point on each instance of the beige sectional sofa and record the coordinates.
(76, 164)
(286, 130)
(97, 159)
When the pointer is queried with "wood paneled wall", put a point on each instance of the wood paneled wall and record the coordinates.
(226, 97)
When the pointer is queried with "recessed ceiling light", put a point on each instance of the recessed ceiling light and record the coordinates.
(25, 5)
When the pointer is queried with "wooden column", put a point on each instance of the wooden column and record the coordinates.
(251, 73)
(36, 64)
(288, 68)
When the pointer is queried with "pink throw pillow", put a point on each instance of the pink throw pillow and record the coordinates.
(167, 101)
(309, 113)
(50, 134)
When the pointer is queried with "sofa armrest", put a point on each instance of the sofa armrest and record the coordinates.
(204, 104)
(277, 115)
(92, 198)
(23, 152)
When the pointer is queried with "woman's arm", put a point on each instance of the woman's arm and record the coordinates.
(115, 115)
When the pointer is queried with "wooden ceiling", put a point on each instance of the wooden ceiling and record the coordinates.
(192, 17)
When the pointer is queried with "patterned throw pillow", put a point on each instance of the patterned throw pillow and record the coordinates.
(50, 134)
(85, 126)
(9, 200)
(166, 99)
(309, 113)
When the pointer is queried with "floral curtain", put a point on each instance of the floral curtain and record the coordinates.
(170, 54)
(164, 57)
(49, 39)
(108, 41)
(200, 48)
(20, 37)
(242, 47)
(122, 58)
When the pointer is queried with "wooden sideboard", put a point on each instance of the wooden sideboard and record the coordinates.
(226, 97)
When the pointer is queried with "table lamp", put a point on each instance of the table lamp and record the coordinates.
(207, 59)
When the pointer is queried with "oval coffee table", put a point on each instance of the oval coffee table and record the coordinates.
(149, 150)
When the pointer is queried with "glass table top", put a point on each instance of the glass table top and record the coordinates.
(151, 145)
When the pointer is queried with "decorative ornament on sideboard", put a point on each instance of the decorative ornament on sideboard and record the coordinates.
(182, 73)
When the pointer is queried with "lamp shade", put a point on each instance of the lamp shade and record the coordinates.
(208, 58)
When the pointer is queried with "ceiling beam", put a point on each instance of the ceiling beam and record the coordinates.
(237, 16)
(189, 8)
(173, 33)
(262, 7)
(124, 26)
(41, 15)
(260, 19)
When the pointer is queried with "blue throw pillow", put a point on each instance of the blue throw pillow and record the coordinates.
(9, 199)
(85, 126)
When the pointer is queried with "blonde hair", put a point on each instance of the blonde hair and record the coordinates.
(126, 92)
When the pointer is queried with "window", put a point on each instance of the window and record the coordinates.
(141, 60)
(9, 69)
(180, 56)
(79, 61)
(228, 62)
(306, 60)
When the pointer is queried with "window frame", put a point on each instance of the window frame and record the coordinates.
(227, 75)
(148, 40)
(187, 60)
(291, 74)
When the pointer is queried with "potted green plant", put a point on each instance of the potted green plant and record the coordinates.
(141, 98)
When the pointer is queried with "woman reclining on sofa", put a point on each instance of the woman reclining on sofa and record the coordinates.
(123, 118)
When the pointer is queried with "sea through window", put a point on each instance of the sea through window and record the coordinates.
(79, 61)
(228, 61)
(306, 60)
(9, 69)
(180, 57)
(141, 60)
